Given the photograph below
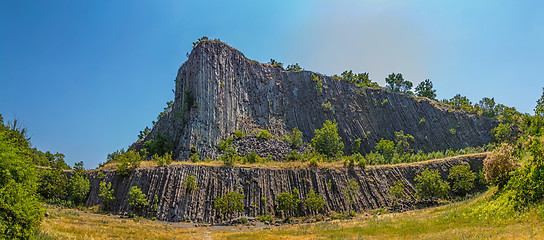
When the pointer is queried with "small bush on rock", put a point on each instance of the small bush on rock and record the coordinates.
(264, 135)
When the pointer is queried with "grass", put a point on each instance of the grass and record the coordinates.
(452, 221)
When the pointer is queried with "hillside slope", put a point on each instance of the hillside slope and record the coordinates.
(218, 90)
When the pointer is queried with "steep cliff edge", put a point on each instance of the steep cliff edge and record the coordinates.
(218, 90)
(175, 203)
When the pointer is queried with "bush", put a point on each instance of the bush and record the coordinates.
(166, 159)
(53, 184)
(79, 188)
(194, 157)
(502, 133)
(253, 157)
(498, 164)
(327, 141)
(430, 185)
(295, 138)
(314, 202)
(189, 183)
(351, 190)
(129, 161)
(137, 199)
(386, 148)
(222, 146)
(264, 135)
(106, 193)
(265, 218)
(397, 190)
(293, 156)
(230, 203)
(288, 202)
(238, 134)
(160, 145)
(229, 157)
(462, 179)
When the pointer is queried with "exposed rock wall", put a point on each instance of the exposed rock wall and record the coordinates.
(175, 202)
(219, 90)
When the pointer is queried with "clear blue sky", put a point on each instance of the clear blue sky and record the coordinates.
(86, 76)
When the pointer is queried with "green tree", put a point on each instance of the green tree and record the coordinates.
(539, 108)
(295, 67)
(460, 102)
(425, 89)
(430, 185)
(189, 183)
(275, 63)
(20, 210)
(53, 184)
(229, 157)
(166, 159)
(295, 138)
(487, 105)
(386, 148)
(160, 145)
(356, 146)
(462, 179)
(137, 199)
(79, 188)
(314, 202)
(144, 133)
(106, 193)
(288, 202)
(350, 191)
(327, 141)
(397, 190)
(502, 133)
(129, 161)
(403, 142)
(264, 135)
(230, 204)
(396, 83)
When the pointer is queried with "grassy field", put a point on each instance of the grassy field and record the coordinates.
(453, 221)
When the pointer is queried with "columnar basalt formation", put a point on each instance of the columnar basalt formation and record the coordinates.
(261, 185)
(218, 90)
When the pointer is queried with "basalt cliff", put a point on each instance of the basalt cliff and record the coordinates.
(218, 90)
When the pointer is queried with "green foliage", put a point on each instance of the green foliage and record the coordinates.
(396, 83)
(397, 190)
(128, 162)
(386, 148)
(275, 63)
(194, 157)
(356, 145)
(165, 159)
(452, 131)
(238, 134)
(20, 210)
(351, 190)
(295, 67)
(144, 133)
(264, 135)
(294, 138)
(488, 107)
(52, 184)
(79, 188)
(327, 106)
(265, 218)
(430, 185)
(230, 203)
(202, 39)
(288, 202)
(421, 121)
(403, 142)
(314, 202)
(106, 193)
(425, 89)
(498, 164)
(360, 79)
(502, 133)
(318, 83)
(327, 141)
(462, 179)
(539, 108)
(460, 102)
(189, 183)
(253, 157)
(293, 156)
(222, 146)
(160, 145)
(137, 199)
(79, 169)
(230, 156)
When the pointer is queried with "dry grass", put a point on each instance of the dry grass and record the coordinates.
(451, 221)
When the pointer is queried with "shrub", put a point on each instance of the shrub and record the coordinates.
(53, 184)
(238, 134)
(502, 133)
(194, 157)
(160, 145)
(129, 161)
(189, 183)
(293, 156)
(265, 218)
(356, 146)
(313, 163)
(230, 203)
(264, 135)
(288, 202)
(106, 193)
(314, 202)
(430, 185)
(79, 188)
(294, 67)
(386, 148)
(295, 138)
(397, 190)
(242, 221)
(498, 164)
(351, 190)
(253, 157)
(166, 159)
(137, 199)
(327, 141)
(318, 83)
(222, 146)
(327, 106)
(229, 157)
(462, 179)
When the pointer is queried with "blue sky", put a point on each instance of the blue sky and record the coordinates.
(86, 76)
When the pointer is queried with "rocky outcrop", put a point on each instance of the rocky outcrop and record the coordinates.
(261, 185)
(218, 90)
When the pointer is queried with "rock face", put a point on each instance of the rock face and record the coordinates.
(219, 90)
(261, 185)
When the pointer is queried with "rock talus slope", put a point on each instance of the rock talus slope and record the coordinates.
(218, 90)
(261, 185)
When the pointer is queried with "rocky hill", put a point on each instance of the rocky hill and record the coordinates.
(261, 185)
(218, 90)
